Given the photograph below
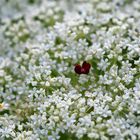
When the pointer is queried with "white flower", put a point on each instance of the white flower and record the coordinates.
(4, 106)
(103, 64)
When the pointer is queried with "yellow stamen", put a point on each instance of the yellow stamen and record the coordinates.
(1, 105)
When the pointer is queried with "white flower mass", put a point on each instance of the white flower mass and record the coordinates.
(42, 97)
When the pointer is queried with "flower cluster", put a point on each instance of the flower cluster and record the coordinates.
(44, 95)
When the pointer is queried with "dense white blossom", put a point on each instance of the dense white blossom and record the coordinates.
(41, 96)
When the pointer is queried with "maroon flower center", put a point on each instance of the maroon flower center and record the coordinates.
(84, 69)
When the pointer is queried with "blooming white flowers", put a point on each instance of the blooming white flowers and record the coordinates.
(41, 96)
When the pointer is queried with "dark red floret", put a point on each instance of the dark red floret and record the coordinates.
(86, 66)
(77, 69)
(84, 69)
